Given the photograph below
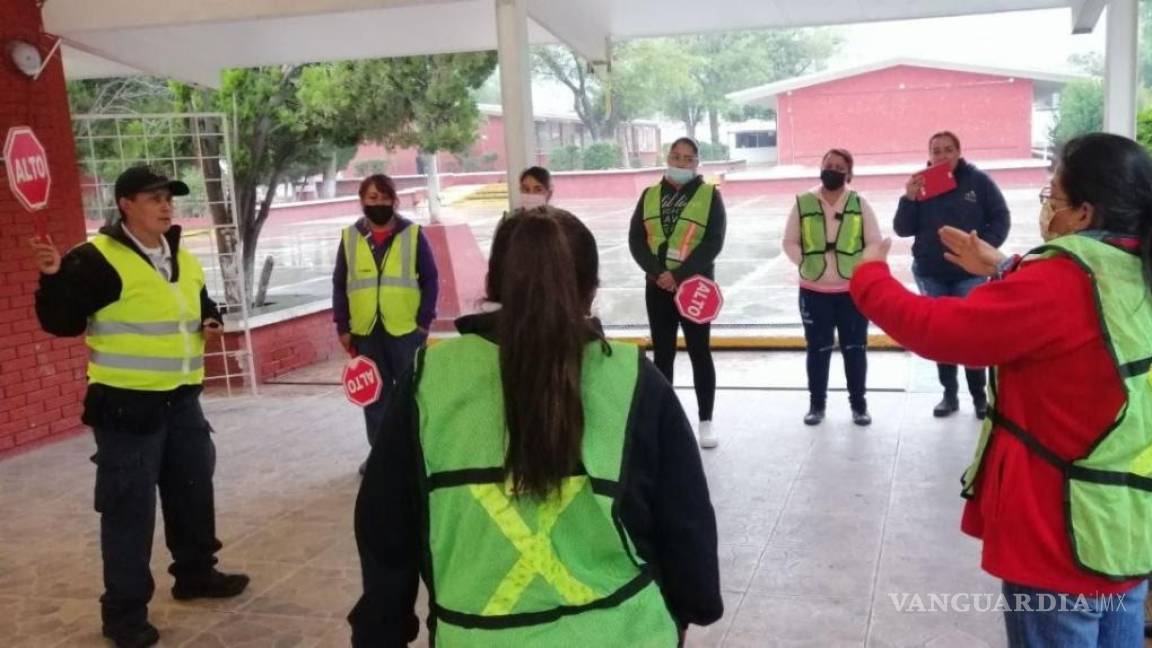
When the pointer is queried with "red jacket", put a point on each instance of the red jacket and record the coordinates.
(1040, 328)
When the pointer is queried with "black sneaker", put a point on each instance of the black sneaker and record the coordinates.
(814, 417)
(141, 637)
(861, 418)
(981, 408)
(212, 585)
(948, 406)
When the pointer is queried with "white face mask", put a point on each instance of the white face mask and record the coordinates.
(680, 176)
(1046, 216)
(532, 201)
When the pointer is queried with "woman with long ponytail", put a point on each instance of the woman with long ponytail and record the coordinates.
(543, 481)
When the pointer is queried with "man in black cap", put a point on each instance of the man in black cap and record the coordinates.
(141, 304)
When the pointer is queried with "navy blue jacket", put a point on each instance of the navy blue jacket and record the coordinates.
(426, 276)
(975, 204)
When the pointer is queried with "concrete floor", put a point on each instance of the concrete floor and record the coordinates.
(822, 530)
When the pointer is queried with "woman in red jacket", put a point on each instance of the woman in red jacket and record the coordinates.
(1061, 492)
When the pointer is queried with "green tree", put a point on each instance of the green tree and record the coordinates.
(1081, 111)
(739, 60)
(293, 120)
(683, 78)
(434, 97)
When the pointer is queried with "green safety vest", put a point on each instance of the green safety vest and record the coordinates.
(150, 339)
(690, 226)
(520, 571)
(849, 245)
(1108, 491)
(389, 292)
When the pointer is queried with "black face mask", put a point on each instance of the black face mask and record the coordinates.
(832, 180)
(378, 214)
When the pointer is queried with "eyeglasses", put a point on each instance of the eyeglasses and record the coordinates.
(676, 157)
(1046, 196)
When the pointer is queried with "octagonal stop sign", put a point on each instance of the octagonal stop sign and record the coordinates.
(362, 383)
(27, 164)
(699, 300)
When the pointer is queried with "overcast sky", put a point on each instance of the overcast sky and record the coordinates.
(1029, 40)
(1040, 40)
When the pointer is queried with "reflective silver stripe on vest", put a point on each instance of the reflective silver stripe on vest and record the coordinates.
(351, 244)
(406, 254)
(407, 272)
(143, 328)
(144, 363)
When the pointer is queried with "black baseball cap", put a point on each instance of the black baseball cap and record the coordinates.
(139, 179)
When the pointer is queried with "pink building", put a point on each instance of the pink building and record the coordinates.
(884, 112)
(553, 130)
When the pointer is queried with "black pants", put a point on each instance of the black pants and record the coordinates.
(824, 314)
(178, 456)
(663, 320)
(392, 355)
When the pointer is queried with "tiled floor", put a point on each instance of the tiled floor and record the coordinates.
(823, 531)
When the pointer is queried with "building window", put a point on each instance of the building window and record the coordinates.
(756, 139)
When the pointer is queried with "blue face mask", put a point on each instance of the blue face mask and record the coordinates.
(679, 176)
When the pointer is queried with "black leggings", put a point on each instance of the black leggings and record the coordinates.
(663, 320)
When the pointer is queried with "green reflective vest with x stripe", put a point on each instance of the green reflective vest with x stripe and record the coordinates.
(389, 292)
(520, 571)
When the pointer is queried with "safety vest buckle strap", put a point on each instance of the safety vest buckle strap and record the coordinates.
(1032, 443)
(541, 617)
(495, 475)
(1136, 368)
(1110, 477)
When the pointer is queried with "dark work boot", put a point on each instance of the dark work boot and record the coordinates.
(981, 408)
(212, 584)
(138, 637)
(815, 416)
(948, 406)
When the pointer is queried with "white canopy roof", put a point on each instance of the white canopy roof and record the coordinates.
(193, 41)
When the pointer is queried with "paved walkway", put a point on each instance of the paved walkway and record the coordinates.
(822, 530)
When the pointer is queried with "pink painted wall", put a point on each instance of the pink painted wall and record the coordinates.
(886, 116)
(490, 142)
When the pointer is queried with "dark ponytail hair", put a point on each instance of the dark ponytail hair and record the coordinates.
(581, 243)
(1114, 175)
(543, 332)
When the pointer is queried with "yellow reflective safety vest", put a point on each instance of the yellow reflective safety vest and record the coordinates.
(849, 243)
(690, 226)
(150, 339)
(390, 292)
(507, 570)
(1108, 491)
